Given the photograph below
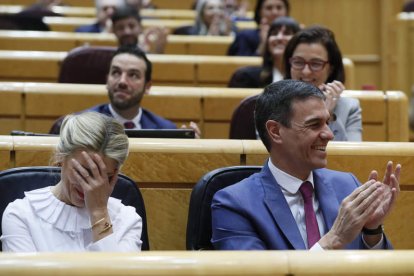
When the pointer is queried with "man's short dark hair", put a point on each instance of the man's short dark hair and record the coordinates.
(125, 12)
(136, 51)
(275, 103)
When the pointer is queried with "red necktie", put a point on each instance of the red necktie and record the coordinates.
(129, 125)
(312, 229)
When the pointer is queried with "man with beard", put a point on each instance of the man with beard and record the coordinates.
(127, 27)
(128, 80)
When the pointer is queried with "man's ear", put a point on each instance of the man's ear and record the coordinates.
(148, 85)
(273, 131)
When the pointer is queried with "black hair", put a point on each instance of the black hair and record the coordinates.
(293, 27)
(258, 9)
(125, 12)
(136, 51)
(275, 103)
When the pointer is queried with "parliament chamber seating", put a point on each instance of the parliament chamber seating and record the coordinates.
(198, 233)
(213, 263)
(167, 170)
(35, 106)
(66, 41)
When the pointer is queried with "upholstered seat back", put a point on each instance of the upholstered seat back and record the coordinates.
(199, 215)
(14, 182)
(242, 122)
(86, 64)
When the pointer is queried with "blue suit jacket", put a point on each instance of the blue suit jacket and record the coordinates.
(148, 120)
(245, 43)
(93, 28)
(253, 214)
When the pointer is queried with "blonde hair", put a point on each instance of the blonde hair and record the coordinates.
(92, 131)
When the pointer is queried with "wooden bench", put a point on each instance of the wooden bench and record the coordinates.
(186, 70)
(35, 106)
(70, 24)
(159, 4)
(91, 12)
(66, 41)
(213, 263)
(167, 169)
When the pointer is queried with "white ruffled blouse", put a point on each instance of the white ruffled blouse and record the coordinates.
(40, 222)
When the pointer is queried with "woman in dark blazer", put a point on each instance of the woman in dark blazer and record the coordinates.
(252, 42)
(279, 34)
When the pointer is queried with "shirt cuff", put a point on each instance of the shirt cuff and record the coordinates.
(379, 245)
(316, 247)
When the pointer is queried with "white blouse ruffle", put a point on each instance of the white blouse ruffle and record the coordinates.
(62, 216)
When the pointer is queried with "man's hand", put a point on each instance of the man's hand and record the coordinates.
(332, 91)
(391, 190)
(355, 210)
(194, 127)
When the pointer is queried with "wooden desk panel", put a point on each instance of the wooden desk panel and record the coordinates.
(6, 147)
(212, 108)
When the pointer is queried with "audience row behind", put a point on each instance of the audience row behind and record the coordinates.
(310, 55)
(128, 80)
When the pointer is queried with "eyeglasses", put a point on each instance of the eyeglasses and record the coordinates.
(315, 65)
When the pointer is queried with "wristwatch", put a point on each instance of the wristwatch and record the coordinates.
(375, 231)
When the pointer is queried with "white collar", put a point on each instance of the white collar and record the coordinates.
(136, 120)
(286, 181)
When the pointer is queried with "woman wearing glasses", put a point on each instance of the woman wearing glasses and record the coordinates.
(313, 56)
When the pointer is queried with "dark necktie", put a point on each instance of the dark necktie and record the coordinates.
(312, 229)
(129, 125)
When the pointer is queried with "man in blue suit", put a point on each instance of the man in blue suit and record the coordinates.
(128, 80)
(294, 202)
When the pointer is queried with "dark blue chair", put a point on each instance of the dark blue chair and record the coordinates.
(199, 215)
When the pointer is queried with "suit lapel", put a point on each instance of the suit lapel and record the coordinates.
(327, 198)
(278, 207)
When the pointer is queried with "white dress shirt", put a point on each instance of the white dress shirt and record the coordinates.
(136, 120)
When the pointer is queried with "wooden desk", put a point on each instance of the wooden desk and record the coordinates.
(91, 12)
(187, 70)
(35, 106)
(6, 146)
(70, 24)
(66, 41)
(275, 263)
(167, 169)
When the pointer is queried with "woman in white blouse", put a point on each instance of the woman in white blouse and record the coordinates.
(78, 214)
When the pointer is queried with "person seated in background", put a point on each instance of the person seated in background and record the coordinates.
(126, 25)
(253, 42)
(78, 213)
(313, 56)
(139, 4)
(211, 19)
(104, 11)
(294, 202)
(408, 6)
(43, 6)
(279, 34)
(128, 80)
(237, 9)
